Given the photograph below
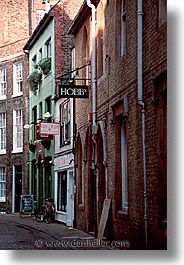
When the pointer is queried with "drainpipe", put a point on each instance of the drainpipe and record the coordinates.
(141, 103)
(93, 62)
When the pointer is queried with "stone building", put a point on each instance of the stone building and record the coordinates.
(18, 19)
(121, 144)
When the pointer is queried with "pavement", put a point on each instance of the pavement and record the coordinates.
(26, 233)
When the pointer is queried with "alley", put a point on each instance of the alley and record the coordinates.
(25, 233)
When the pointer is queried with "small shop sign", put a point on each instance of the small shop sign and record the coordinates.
(73, 91)
(49, 128)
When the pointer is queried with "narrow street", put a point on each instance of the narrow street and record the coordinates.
(25, 233)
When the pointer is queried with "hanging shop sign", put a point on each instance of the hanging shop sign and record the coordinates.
(43, 137)
(49, 128)
(73, 91)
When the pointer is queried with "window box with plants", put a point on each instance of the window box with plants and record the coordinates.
(33, 80)
(45, 65)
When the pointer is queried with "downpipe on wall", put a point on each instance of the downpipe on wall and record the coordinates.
(141, 103)
(94, 100)
(93, 62)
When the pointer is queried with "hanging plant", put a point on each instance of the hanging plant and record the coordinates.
(32, 147)
(45, 65)
(33, 80)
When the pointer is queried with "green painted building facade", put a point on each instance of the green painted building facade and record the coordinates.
(40, 49)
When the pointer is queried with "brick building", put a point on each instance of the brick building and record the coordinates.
(121, 153)
(18, 19)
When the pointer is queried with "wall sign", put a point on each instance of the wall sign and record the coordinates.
(73, 91)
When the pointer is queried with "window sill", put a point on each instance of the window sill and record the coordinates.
(2, 152)
(81, 207)
(60, 212)
(2, 97)
(65, 144)
(2, 199)
(101, 79)
(122, 215)
(17, 95)
(17, 151)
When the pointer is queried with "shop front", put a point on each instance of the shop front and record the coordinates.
(64, 188)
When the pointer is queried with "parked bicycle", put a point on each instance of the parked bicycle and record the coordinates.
(46, 212)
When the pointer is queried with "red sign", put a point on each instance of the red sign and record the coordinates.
(42, 137)
(49, 128)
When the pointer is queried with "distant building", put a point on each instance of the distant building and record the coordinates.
(18, 19)
(121, 145)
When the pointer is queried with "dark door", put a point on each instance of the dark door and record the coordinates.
(18, 187)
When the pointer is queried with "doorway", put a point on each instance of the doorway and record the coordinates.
(18, 186)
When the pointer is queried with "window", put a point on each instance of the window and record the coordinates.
(40, 110)
(120, 119)
(2, 132)
(48, 108)
(48, 48)
(17, 131)
(34, 61)
(85, 57)
(17, 78)
(65, 123)
(2, 83)
(160, 93)
(34, 121)
(123, 27)
(62, 191)
(121, 24)
(2, 184)
(124, 166)
(40, 55)
(73, 62)
(39, 15)
(162, 11)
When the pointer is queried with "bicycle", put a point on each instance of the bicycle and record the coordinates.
(47, 211)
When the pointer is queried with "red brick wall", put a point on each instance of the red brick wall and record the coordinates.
(120, 80)
(14, 28)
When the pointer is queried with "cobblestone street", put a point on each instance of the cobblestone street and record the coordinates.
(27, 234)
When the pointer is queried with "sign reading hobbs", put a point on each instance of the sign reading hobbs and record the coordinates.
(74, 91)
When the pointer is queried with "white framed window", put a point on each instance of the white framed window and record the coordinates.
(124, 166)
(65, 132)
(39, 15)
(2, 184)
(17, 79)
(17, 131)
(123, 27)
(2, 132)
(3, 84)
